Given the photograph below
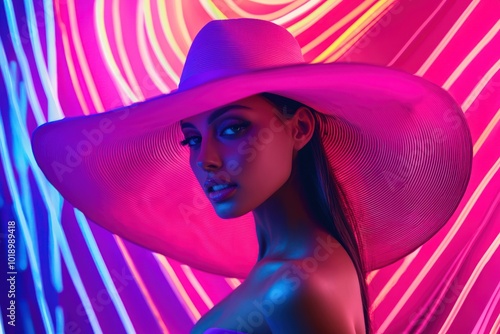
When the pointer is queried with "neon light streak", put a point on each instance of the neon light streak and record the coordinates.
(140, 283)
(470, 57)
(447, 38)
(103, 271)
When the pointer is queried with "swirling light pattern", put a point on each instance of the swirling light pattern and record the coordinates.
(66, 58)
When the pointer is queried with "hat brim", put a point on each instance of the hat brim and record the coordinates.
(399, 145)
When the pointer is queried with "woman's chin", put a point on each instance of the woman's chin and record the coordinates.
(227, 212)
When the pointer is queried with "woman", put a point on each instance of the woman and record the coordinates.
(282, 186)
(331, 160)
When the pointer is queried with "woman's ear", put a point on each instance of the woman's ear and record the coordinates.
(303, 127)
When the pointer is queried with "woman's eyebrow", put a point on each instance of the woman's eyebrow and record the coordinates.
(216, 114)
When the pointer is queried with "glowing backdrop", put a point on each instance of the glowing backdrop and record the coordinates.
(68, 58)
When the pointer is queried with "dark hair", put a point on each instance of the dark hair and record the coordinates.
(326, 197)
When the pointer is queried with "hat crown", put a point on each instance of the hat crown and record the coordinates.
(224, 48)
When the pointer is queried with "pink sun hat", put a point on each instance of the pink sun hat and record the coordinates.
(399, 145)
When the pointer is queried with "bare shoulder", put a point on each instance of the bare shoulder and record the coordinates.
(314, 296)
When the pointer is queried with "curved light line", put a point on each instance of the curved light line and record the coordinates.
(122, 52)
(472, 54)
(124, 90)
(470, 283)
(416, 33)
(212, 10)
(442, 246)
(197, 286)
(408, 260)
(487, 131)
(177, 287)
(271, 2)
(155, 45)
(181, 22)
(312, 18)
(361, 33)
(18, 154)
(233, 282)
(82, 58)
(40, 62)
(51, 53)
(77, 281)
(51, 56)
(21, 219)
(72, 72)
(167, 31)
(103, 270)
(282, 15)
(70, 63)
(59, 315)
(2, 331)
(145, 57)
(50, 207)
(371, 275)
(142, 286)
(371, 20)
(447, 38)
(336, 26)
(489, 309)
(480, 86)
(23, 62)
(495, 329)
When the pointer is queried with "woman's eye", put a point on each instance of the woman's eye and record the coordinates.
(187, 141)
(231, 130)
(235, 129)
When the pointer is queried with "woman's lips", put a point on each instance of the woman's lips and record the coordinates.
(222, 194)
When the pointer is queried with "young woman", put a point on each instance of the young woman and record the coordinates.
(299, 178)
(284, 186)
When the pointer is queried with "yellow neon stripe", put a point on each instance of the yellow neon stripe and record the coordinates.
(293, 6)
(353, 29)
(378, 15)
(182, 24)
(212, 10)
(339, 24)
(146, 58)
(155, 45)
(167, 31)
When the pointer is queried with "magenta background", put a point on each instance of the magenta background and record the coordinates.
(451, 284)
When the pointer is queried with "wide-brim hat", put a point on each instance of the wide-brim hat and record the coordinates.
(399, 145)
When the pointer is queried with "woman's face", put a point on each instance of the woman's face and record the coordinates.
(243, 143)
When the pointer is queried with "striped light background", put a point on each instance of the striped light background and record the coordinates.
(68, 58)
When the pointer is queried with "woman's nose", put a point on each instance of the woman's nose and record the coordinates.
(208, 157)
